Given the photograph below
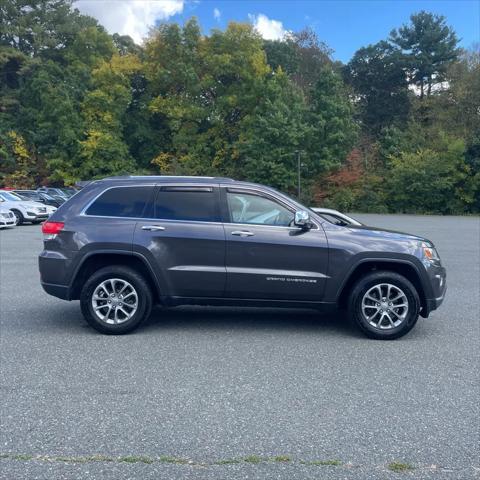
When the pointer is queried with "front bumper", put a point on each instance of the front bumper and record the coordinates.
(438, 280)
(31, 216)
(7, 223)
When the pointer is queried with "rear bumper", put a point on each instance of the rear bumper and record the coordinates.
(59, 291)
(54, 268)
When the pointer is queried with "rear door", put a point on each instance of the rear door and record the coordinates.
(266, 256)
(184, 238)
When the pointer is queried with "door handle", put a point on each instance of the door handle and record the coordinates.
(153, 228)
(243, 233)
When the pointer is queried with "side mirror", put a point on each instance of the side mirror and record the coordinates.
(302, 220)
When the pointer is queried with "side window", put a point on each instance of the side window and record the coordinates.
(187, 203)
(334, 219)
(255, 209)
(121, 202)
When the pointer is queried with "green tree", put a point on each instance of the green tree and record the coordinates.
(272, 133)
(333, 129)
(429, 47)
(40, 27)
(376, 74)
(104, 150)
(429, 181)
(301, 55)
(204, 87)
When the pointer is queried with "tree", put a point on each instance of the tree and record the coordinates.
(41, 27)
(104, 150)
(204, 87)
(301, 55)
(431, 181)
(333, 129)
(376, 74)
(272, 133)
(18, 163)
(429, 47)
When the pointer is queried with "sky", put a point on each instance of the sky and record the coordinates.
(345, 25)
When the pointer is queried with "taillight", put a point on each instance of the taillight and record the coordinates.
(51, 229)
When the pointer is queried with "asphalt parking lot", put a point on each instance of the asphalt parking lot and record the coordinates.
(205, 393)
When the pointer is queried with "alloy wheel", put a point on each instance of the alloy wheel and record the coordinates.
(114, 301)
(385, 306)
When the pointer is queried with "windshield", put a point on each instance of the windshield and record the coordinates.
(10, 197)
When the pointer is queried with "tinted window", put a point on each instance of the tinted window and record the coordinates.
(121, 202)
(187, 203)
(334, 219)
(249, 208)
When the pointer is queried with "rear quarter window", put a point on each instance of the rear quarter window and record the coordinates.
(121, 202)
(187, 204)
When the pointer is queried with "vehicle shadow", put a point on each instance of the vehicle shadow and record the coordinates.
(67, 318)
(228, 319)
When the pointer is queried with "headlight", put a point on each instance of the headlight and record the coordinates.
(430, 252)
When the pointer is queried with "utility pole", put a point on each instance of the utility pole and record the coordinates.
(298, 174)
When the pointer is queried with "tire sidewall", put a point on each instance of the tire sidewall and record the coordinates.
(19, 216)
(143, 294)
(384, 277)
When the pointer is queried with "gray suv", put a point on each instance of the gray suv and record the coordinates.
(123, 244)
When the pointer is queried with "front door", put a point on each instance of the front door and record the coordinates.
(185, 240)
(267, 257)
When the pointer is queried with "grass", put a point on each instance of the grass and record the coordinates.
(250, 459)
(322, 463)
(227, 461)
(178, 461)
(253, 459)
(400, 467)
(282, 458)
(136, 459)
(21, 457)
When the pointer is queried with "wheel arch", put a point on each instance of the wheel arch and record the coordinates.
(96, 260)
(402, 267)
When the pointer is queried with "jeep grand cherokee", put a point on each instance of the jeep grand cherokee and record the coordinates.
(123, 244)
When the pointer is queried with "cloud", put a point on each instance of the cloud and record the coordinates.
(217, 14)
(130, 17)
(268, 28)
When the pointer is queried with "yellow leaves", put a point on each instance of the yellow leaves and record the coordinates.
(118, 69)
(19, 146)
(163, 161)
(22, 176)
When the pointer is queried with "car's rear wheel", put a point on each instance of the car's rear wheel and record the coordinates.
(19, 217)
(384, 305)
(115, 300)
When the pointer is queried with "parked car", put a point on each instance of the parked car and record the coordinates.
(121, 245)
(336, 217)
(25, 210)
(54, 192)
(69, 191)
(40, 197)
(7, 218)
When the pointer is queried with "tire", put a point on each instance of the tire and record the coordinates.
(115, 322)
(20, 218)
(384, 320)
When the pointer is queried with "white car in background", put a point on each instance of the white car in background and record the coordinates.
(24, 210)
(7, 218)
(336, 217)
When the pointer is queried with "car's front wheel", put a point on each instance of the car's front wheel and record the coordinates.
(115, 300)
(384, 305)
(18, 216)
